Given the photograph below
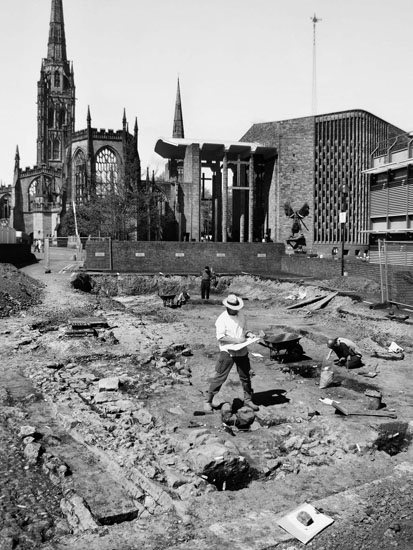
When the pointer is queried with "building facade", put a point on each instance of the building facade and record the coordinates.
(320, 161)
(72, 166)
(391, 190)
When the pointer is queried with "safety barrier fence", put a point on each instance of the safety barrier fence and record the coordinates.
(395, 259)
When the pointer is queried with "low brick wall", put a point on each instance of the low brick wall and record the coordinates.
(319, 268)
(183, 257)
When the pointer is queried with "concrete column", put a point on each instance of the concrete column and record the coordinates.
(218, 201)
(224, 198)
(192, 189)
(251, 184)
(242, 226)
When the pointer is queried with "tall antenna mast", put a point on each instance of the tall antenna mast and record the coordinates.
(315, 20)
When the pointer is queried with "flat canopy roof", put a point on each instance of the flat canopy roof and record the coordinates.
(174, 148)
(389, 166)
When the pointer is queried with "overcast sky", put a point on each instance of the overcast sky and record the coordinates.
(239, 62)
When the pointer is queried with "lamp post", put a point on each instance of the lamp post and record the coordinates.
(343, 219)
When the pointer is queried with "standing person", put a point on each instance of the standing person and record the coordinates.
(231, 329)
(346, 351)
(206, 277)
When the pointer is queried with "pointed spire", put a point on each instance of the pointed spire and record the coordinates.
(56, 47)
(17, 159)
(135, 129)
(124, 121)
(88, 118)
(178, 129)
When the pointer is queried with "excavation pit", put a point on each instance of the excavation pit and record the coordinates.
(394, 437)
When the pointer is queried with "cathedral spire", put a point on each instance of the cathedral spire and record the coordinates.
(56, 47)
(17, 159)
(124, 120)
(88, 118)
(178, 129)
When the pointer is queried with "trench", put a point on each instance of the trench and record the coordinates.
(393, 438)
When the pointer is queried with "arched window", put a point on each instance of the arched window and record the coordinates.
(79, 170)
(62, 117)
(56, 149)
(107, 172)
(5, 207)
(56, 79)
(35, 199)
(50, 117)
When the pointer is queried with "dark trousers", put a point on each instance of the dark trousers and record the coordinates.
(353, 362)
(205, 286)
(223, 368)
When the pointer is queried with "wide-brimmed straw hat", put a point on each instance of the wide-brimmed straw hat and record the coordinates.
(233, 302)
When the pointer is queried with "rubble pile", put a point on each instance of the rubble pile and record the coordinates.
(17, 290)
(108, 414)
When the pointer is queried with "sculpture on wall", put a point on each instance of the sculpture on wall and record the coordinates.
(297, 240)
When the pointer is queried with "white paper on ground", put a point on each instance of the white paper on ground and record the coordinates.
(237, 347)
(395, 348)
(302, 532)
(256, 354)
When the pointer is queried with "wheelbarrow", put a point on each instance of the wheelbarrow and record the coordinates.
(283, 346)
(168, 299)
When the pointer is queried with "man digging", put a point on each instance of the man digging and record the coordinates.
(346, 351)
(231, 331)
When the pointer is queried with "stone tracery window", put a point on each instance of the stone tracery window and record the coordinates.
(79, 165)
(56, 79)
(56, 149)
(5, 206)
(42, 193)
(107, 172)
(35, 199)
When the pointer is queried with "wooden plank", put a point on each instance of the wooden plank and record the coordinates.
(306, 302)
(346, 412)
(323, 302)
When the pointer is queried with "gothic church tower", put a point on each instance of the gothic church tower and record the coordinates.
(55, 95)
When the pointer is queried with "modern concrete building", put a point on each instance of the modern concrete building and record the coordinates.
(316, 161)
(391, 190)
(320, 161)
(72, 166)
(237, 173)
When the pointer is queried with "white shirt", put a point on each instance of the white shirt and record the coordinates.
(233, 326)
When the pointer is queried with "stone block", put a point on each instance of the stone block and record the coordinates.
(122, 405)
(32, 452)
(27, 431)
(143, 417)
(109, 384)
(106, 396)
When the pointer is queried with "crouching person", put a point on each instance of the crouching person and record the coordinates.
(231, 329)
(346, 351)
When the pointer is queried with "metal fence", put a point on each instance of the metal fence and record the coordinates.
(395, 259)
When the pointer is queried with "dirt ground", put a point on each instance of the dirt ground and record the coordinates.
(104, 444)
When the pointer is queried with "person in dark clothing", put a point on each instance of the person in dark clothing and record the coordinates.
(346, 351)
(206, 277)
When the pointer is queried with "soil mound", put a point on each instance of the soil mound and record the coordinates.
(17, 290)
(356, 284)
